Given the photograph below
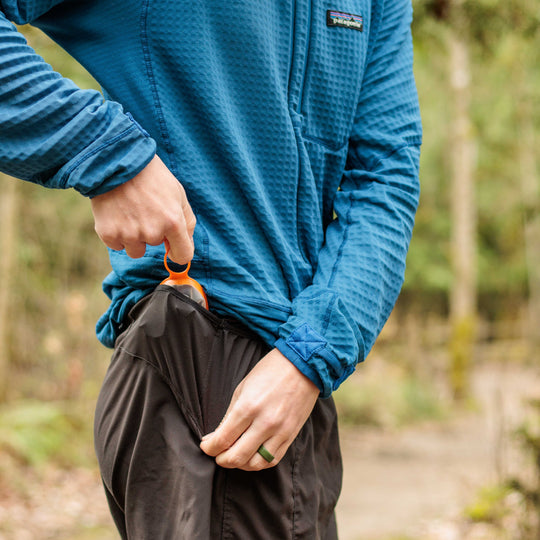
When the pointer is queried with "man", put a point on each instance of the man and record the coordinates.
(288, 139)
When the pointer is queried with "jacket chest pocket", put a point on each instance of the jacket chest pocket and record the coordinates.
(334, 66)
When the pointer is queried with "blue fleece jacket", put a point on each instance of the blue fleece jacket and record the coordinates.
(292, 125)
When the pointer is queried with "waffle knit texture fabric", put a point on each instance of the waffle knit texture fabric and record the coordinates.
(296, 138)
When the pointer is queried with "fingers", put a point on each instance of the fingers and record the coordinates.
(250, 459)
(146, 210)
(269, 407)
(235, 442)
(180, 238)
(135, 249)
(239, 454)
(243, 453)
(258, 462)
(132, 239)
(226, 435)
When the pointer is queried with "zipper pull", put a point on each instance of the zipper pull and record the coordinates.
(183, 283)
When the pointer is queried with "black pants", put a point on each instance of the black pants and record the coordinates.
(170, 381)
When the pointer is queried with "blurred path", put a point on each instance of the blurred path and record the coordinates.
(415, 482)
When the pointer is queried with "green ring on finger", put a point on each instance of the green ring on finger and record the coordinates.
(267, 456)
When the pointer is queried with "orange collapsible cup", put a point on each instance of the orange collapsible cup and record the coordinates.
(187, 285)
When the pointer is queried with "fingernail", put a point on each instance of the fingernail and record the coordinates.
(207, 436)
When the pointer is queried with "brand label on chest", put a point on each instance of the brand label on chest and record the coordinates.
(346, 20)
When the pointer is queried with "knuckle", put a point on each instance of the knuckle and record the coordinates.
(191, 222)
(229, 462)
(222, 462)
(223, 441)
(130, 237)
(108, 237)
(105, 236)
(251, 404)
(102, 230)
(248, 410)
(236, 461)
(154, 237)
(170, 220)
(272, 423)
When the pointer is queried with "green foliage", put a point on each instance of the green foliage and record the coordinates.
(461, 354)
(529, 490)
(515, 502)
(489, 505)
(34, 433)
(397, 399)
(504, 41)
(57, 297)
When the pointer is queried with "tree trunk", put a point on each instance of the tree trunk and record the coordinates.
(8, 205)
(463, 216)
(531, 204)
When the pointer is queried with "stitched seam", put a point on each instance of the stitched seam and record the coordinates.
(390, 153)
(181, 402)
(205, 257)
(253, 301)
(153, 87)
(300, 146)
(341, 247)
(225, 525)
(299, 352)
(362, 164)
(376, 36)
(293, 481)
(334, 147)
(326, 320)
(93, 152)
(206, 382)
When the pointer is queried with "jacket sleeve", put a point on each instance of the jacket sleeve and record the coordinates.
(336, 320)
(53, 133)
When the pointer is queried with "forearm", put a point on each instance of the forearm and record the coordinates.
(55, 134)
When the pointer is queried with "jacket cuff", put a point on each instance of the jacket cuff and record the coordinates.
(115, 157)
(311, 354)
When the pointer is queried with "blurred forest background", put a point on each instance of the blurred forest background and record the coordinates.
(471, 298)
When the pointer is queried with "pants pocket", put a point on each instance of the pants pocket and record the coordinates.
(200, 356)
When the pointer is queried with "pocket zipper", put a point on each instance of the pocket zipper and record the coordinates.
(306, 55)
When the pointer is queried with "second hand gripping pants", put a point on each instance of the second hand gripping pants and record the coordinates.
(170, 381)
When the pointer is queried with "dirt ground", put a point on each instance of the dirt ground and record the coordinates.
(408, 483)
(415, 482)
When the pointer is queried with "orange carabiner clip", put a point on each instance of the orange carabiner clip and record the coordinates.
(182, 278)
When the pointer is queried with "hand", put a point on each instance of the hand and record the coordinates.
(149, 209)
(268, 407)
